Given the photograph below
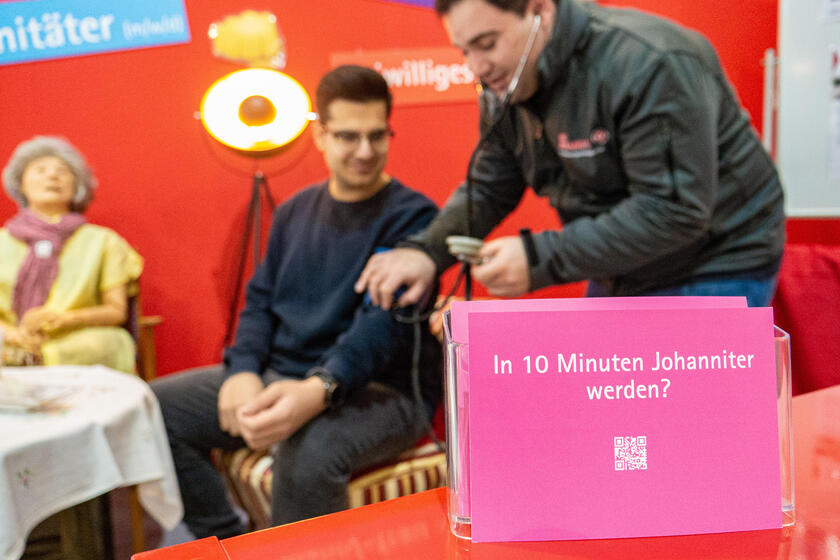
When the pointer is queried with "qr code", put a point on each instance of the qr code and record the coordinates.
(630, 453)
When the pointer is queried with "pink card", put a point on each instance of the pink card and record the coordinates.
(460, 309)
(622, 423)
(460, 333)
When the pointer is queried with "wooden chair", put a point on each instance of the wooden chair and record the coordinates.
(248, 477)
(141, 328)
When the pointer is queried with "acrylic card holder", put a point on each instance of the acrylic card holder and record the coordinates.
(456, 394)
(457, 401)
(784, 404)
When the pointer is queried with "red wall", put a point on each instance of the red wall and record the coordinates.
(180, 199)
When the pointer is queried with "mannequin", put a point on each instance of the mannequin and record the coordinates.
(52, 189)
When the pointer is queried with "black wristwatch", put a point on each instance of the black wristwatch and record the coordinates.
(332, 388)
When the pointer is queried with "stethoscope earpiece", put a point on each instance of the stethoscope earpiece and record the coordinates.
(535, 26)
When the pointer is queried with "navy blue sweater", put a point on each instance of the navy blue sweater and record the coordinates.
(300, 307)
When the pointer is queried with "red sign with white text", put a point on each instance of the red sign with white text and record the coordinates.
(418, 76)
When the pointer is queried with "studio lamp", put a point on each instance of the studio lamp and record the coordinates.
(255, 112)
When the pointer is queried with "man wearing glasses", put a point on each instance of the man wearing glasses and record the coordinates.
(316, 373)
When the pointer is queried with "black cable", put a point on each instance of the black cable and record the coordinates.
(415, 385)
(467, 265)
(506, 103)
(416, 319)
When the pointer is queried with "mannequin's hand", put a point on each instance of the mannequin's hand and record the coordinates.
(41, 320)
(22, 338)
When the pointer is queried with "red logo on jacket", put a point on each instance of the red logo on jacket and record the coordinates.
(584, 147)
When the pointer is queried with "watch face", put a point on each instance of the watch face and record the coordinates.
(331, 393)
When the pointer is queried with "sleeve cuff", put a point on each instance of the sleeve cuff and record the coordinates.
(544, 270)
(239, 364)
(335, 369)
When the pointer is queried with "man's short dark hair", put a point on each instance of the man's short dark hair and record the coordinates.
(351, 83)
(442, 7)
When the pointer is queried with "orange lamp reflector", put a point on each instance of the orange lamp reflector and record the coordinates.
(255, 110)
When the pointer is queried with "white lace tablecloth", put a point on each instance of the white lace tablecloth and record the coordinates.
(106, 433)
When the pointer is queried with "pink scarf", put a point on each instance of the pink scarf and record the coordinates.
(38, 271)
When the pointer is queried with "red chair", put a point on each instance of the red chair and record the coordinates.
(807, 306)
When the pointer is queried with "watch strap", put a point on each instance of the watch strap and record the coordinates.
(333, 395)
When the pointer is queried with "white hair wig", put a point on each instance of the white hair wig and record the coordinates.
(43, 146)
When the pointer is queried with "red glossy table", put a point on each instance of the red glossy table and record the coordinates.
(416, 526)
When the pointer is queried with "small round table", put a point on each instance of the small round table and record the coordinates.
(106, 431)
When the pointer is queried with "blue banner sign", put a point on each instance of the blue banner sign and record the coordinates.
(45, 29)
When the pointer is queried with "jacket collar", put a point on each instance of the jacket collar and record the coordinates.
(569, 34)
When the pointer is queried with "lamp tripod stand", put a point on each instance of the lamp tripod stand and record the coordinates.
(252, 230)
(255, 111)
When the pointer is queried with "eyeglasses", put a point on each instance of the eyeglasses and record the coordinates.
(350, 140)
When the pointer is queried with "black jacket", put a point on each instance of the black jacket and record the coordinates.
(638, 141)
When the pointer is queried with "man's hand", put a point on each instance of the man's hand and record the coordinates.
(503, 267)
(237, 390)
(280, 410)
(386, 272)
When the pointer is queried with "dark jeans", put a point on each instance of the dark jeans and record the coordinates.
(311, 469)
(757, 287)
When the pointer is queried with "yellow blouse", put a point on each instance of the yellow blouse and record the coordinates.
(93, 260)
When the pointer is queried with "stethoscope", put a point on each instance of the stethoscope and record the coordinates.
(464, 251)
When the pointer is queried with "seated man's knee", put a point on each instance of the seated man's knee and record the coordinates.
(307, 462)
